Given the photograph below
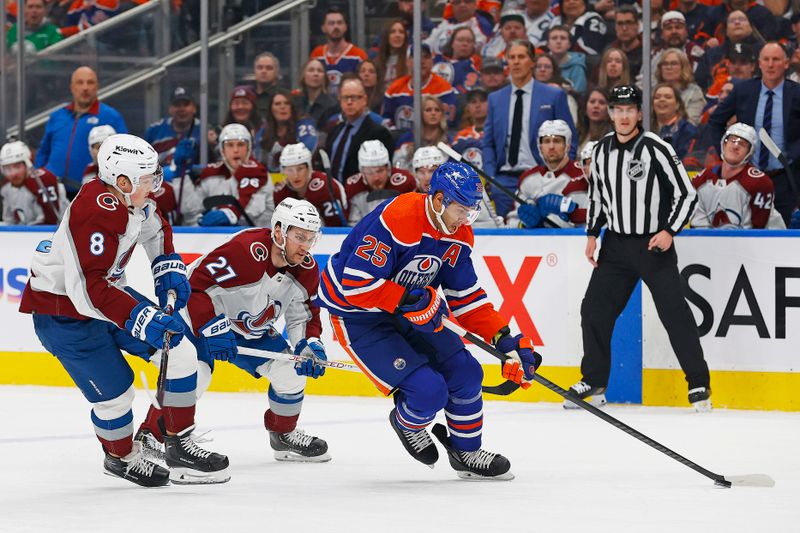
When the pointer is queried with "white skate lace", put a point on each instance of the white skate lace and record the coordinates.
(138, 463)
(299, 438)
(201, 438)
(151, 448)
(581, 387)
(419, 440)
(188, 443)
(479, 459)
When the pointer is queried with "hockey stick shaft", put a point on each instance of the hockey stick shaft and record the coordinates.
(161, 383)
(452, 154)
(326, 164)
(282, 356)
(781, 157)
(717, 478)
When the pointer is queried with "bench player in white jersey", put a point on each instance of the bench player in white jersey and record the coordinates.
(30, 196)
(239, 290)
(735, 194)
(97, 135)
(559, 192)
(237, 175)
(85, 315)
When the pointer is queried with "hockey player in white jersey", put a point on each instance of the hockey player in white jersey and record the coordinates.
(85, 315)
(30, 196)
(97, 135)
(239, 291)
(558, 190)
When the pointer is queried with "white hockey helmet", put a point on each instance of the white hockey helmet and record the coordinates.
(553, 128)
(743, 131)
(98, 134)
(15, 152)
(235, 132)
(427, 156)
(295, 154)
(298, 213)
(372, 154)
(127, 155)
(586, 151)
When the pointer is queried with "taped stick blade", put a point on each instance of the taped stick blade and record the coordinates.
(751, 480)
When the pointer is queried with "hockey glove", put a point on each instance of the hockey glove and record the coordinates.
(184, 153)
(315, 351)
(555, 203)
(147, 323)
(530, 215)
(424, 308)
(218, 340)
(523, 361)
(216, 217)
(169, 274)
(794, 222)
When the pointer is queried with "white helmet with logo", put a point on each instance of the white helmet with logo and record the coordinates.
(235, 132)
(300, 214)
(427, 156)
(295, 154)
(743, 131)
(98, 134)
(372, 154)
(586, 151)
(15, 152)
(127, 155)
(554, 128)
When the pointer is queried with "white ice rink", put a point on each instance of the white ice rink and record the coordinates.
(574, 472)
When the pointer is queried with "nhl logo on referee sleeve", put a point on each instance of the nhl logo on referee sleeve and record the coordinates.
(635, 169)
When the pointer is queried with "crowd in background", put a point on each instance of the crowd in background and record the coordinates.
(347, 98)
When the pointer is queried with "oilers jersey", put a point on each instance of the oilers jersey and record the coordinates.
(337, 65)
(398, 102)
(463, 74)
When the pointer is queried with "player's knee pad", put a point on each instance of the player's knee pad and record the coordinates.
(424, 391)
(463, 374)
(282, 376)
(115, 407)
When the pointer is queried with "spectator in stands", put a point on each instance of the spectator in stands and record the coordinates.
(338, 54)
(737, 30)
(675, 34)
(587, 28)
(459, 63)
(392, 47)
(675, 69)
(572, 64)
(759, 16)
(538, 18)
(512, 27)
(669, 118)
(434, 131)
(698, 21)
(469, 139)
(515, 114)
(355, 128)
(267, 76)
(311, 98)
(64, 149)
(369, 74)
(39, 31)
(740, 64)
(83, 14)
(614, 69)
(398, 109)
(546, 70)
(595, 122)
(465, 13)
(493, 74)
(280, 129)
(626, 22)
(242, 109)
(182, 123)
(405, 10)
(756, 102)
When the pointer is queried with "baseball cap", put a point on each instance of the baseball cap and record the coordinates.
(672, 15)
(180, 94)
(477, 92)
(741, 52)
(426, 49)
(508, 17)
(244, 91)
(492, 63)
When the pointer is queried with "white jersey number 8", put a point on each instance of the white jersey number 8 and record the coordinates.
(96, 243)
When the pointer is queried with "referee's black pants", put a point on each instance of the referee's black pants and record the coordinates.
(623, 260)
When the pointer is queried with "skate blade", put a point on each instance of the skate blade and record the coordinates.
(598, 400)
(292, 457)
(115, 476)
(471, 476)
(187, 476)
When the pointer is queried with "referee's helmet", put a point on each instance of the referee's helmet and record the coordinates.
(625, 95)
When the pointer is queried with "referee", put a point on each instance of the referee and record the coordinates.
(639, 189)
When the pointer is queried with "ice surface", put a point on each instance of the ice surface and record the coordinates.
(574, 472)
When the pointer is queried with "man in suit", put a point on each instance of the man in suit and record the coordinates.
(772, 103)
(515, 114)
(355, 128)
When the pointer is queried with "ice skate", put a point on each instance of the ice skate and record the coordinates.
(417, 443)
(152, 449)
(476, 466)
(700, 398)
(190, 464)
(588, 393)
(135, 467)
(299, 447)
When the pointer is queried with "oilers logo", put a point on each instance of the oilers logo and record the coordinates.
(445, 70)
(259, 324)
(474, 155)
(419, 272)
(404, 117)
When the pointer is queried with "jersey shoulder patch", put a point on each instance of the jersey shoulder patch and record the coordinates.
(405, 218)
(402, 180)
(214, 170)
(355, 184)
(97, 204)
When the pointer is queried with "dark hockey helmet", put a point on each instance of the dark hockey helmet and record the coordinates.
(625, 94)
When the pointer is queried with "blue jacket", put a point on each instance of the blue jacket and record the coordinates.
(680, 135)
(64, 150)
(548, 103)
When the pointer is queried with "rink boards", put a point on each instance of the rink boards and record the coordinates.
(744, 290)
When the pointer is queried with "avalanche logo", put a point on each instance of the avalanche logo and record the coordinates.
(119, 271)
(397, 179)
(316, 184)
(107, 201)
(257, 325)
(419, 272)
(259, 251)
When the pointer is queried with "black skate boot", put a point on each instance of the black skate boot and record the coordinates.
(151, 448)
(477, 465)
(136, 468)
(588, 393)
(190, 464)
(299, 447)
(700, 398)
(417, 443)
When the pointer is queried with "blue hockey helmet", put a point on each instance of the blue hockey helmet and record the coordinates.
(459, 183)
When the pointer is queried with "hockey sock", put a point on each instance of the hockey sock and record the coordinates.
(408, 419)
(180, 397)
(284, 410)
(113, 423)
(154, 423)
(278, 423)
(465, 422)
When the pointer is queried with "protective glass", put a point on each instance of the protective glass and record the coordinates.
(296, 170)
(738, 141)
(152, 181)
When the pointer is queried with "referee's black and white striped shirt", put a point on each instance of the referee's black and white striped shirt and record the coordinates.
(638, 188)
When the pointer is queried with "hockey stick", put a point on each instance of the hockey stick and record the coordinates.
(452, 154)
(227, 199)
(161, 382)
(749, 480)
(282, 356)
(780, 156)
(326, 164)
